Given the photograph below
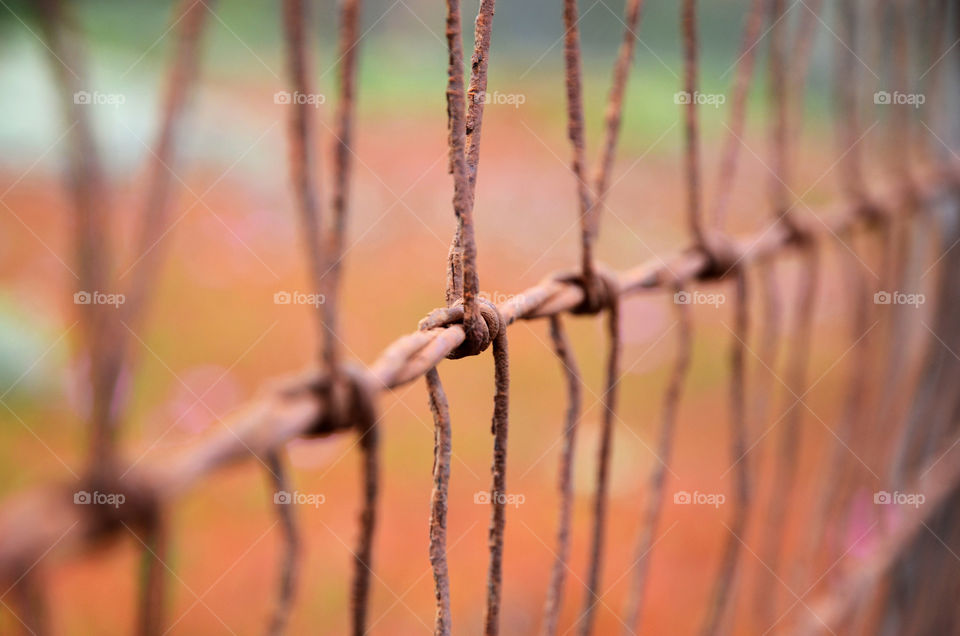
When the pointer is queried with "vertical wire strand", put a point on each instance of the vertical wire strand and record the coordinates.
(790, 431)
(92, 246)
(836, 477)
(363, 555)
(804, 39)
(850, 163)
(150, 621)
(688, 18)
(476, 91)
(303, 157)
(475, 98)
(289, 568)
(730, 154)
(190, 19)
(575, 132)
(614, 112)
(466, 248)
(350, 11)
(598, 530)
(723, 586)
(499, 429)
(571, 372)
(780, 172)
(655, 493)
(438, 502)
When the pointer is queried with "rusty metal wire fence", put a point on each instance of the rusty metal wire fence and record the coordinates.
(339, 397)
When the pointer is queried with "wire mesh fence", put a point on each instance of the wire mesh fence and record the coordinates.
(902, 419)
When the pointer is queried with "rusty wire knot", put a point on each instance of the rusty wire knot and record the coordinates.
(600, 294)
(489, 327)
(723, 255)
(347, 399)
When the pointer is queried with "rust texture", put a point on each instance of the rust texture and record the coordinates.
(571, 373)
(438, 501)
(335, 396)
(723, 592)
(289, 564)
(738, 112)
(653, 506)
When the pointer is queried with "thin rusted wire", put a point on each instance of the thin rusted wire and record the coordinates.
(190, 18)
(289, 408)
(289, 564)
(466, 248)
(618, 86)
(591, 203)
(363, 555)
(723, 590)
(598, 530)
(575, 132)
(835, 479)
(499, 426)
(850, 164)
(438, 502)
(152, 599)
(350, 11)
(738, 112)
(780, 171)
(803, 42)
(688, 19)
(303, 157)
(91, 218)
(790, 431)
(571, 372)
(476, 98)
(657, 485)
(476, 91)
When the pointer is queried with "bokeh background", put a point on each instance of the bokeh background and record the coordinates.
(214, 334)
